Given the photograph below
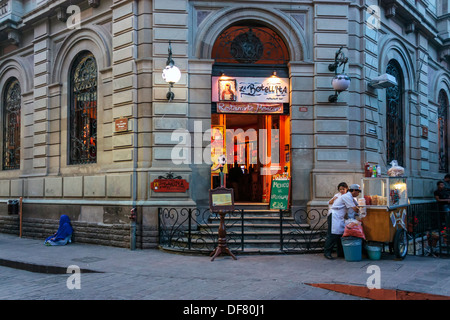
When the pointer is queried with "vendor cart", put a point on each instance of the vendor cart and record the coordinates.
(386, 203)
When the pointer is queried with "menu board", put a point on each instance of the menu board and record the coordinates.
(221, 199)
(279, 194)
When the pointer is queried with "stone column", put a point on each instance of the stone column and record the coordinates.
(169, 23)
(334, 161)
(122, 183)
(41, 108)
(199, 115)
(421, 79)
(302, 131)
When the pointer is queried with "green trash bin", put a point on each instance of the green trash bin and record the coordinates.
(374, 251)
(352, 248)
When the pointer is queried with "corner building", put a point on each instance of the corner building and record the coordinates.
(87, 127)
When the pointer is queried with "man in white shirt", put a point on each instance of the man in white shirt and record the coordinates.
(343, 208)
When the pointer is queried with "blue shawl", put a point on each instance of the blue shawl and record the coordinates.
(64, 230)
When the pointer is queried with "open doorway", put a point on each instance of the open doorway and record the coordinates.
(257, 146)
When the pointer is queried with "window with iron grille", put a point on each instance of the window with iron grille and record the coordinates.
(83, 110)
(11, 125)
(443, 131)
(394, 115)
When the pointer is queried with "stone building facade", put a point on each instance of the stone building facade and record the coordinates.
(123, 45)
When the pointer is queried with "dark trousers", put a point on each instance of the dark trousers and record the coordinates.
(332, 240)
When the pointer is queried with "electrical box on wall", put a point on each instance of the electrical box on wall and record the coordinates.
(383, 81)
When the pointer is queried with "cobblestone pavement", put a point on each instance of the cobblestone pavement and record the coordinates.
(157, 275)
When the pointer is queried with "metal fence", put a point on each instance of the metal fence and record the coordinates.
(302, 231)
(196, 230)
(428, 229)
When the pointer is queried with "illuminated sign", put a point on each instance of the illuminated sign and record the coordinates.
(247, 89)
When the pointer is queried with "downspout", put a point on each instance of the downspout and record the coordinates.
(133, 215)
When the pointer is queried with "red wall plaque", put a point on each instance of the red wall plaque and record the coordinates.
(121, 124)
(169, 185)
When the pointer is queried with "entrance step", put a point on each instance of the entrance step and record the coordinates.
(252, 206)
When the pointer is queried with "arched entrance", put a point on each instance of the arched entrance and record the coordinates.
(250, 120)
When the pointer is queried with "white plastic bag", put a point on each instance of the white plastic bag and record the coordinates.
(395, 170)
(362, 208)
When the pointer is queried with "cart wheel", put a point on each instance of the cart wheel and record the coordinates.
(400, 243)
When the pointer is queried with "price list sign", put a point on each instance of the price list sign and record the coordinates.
(279, 194)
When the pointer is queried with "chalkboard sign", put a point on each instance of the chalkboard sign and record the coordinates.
(279, 194)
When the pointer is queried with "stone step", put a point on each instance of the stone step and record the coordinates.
(248, 251)
(260, 234)
(250, 244)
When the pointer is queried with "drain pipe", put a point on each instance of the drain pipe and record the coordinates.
(133, 213)
(20, 216)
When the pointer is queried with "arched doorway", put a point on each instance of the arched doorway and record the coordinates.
(250, 118)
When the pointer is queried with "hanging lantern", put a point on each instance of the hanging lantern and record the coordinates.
(340, 82)
(171, 74)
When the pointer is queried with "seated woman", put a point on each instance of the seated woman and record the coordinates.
(63, 235)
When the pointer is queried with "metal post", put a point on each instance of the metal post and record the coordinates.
(242, 229)
(281, 230)
(132, 217)
(190, 228)
(221, 176)
(20, 217)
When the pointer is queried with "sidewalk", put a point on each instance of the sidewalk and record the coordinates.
(154, 274)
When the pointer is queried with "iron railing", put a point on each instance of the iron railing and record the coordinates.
(301, 231)
(196, 230)
(428, 228)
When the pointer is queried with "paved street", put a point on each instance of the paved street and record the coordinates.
(157, 275)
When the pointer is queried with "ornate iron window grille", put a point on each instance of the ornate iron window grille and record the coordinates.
(250, 44)
(11, 125)
(394, 116)
(443, 131)
(83, 110)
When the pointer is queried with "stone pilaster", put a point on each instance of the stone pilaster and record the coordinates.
(199, 114)
(334, 161)
(422, 89)
(169, 23)
(124, 80)
(41, 110)
(373, 128)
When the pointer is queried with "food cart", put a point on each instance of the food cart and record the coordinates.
(386, 202)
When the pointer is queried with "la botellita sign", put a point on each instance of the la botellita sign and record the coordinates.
(169, 185)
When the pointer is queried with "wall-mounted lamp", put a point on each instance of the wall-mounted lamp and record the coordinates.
(341, 81)
(171, 74)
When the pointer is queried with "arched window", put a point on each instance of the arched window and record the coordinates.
(394, 115)
(443, 131)
(83, 110)
(11, 125)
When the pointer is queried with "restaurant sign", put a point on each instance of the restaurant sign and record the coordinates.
(248, 89)
(243, 107)
(169, 185)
